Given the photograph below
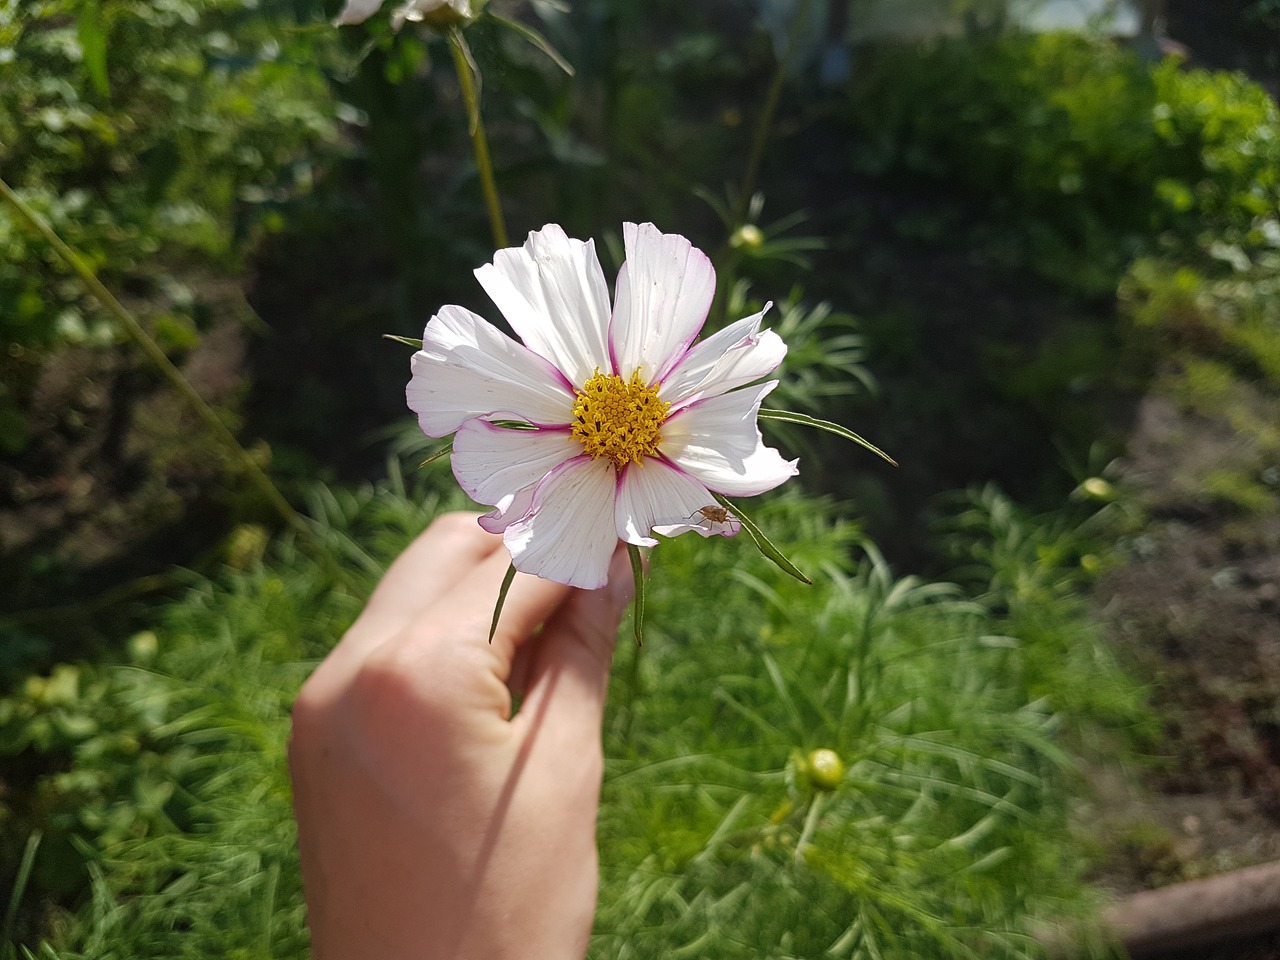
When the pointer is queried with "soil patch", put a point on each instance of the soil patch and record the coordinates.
(1197, 609)
(119, 480)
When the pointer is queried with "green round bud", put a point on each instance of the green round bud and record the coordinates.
(1098, 488)
(826, 769)
(143, 646)
(749, 236)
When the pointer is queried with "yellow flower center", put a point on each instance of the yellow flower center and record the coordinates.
(618, 419)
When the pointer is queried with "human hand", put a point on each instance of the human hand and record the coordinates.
(431, 824)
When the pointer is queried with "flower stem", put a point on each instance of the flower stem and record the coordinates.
(810, 824)
(466, 82)
(765, 121)
(157, 356)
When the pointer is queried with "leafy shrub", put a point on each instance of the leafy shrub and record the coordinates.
(1222, 306)
(1214, 322)
(1094, 155)
(144, 133)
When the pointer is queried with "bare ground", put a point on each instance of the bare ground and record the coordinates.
(1196, 610)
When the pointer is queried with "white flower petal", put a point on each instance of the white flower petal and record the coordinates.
(664, 292)
(656, 494)
(730, 526)
(509, 509)
(491, 462)
(553, 293)
(731, 358)
(568, 534)
(357, 11)
(718, 441)
(467, 368)
(417, 10)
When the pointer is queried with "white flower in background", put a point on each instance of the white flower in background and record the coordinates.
(624, 425)
(440, 12)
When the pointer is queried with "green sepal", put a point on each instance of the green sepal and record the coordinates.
(637, 572)
(763, 543)
(513, 424)
(407, 341)
(502, 598)
(804, 420)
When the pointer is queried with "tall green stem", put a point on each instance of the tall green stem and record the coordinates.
(157, 356)
(765, 121)
(466, 82)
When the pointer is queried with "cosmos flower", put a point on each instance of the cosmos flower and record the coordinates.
(607, 424)
(441, 12)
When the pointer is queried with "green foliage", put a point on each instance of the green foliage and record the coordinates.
(946, 836)
(1215, 324)
(939, 830)
(1221, 305)
(163, 800)
(147, 134)
(1091, 154)
(825, 354)
(1031, 573)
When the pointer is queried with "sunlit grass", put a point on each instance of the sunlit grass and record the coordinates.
(946, 836)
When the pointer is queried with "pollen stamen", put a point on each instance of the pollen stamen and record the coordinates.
(618, 419)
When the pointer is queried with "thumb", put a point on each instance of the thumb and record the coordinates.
(575, 652)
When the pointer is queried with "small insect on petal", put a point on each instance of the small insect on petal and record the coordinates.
(715, 513)
(717, 519)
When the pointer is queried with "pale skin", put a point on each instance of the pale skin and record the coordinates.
(431, 823)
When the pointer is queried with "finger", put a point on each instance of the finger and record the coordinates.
(530, 601)
(442, 663)
(431, 566)
(569, 679)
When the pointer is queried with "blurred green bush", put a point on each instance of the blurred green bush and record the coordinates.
(152, 137)
(1092, 155)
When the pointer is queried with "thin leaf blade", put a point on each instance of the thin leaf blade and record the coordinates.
(804, 420)
(537, 40)
(502, 599)
(407, 341)
(637, 572)
(763, 543)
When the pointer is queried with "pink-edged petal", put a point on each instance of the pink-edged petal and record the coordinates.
(416, 11)
(730, 526)
(494, 462)
(357, 11)
(653, 495)
(731, 358)
(568, 533)
(467, 368)
(553, 293)
(510, 508)
(718, 441)
(664, 292)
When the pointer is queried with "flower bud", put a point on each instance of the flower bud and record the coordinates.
(748, 236)
(825, 769)
(437, 14)
(1097, 488)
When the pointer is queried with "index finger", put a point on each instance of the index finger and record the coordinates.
(440, 558)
